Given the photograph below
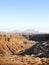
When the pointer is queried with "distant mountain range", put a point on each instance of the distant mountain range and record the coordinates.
(28, 31)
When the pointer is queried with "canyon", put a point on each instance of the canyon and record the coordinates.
(24, 49)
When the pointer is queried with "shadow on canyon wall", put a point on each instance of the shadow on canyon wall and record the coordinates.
(40, 49)
(37, 37)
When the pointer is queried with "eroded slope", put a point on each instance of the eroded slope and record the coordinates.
(13, 44)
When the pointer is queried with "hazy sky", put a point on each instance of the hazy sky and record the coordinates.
(24, 14)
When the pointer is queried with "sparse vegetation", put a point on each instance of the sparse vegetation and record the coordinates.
(15, 49)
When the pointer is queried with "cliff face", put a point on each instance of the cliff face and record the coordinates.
(37, 37)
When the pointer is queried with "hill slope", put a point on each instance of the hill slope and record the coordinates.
(15, 49)
(13, 44)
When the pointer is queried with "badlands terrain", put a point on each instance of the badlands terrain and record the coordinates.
(24, 49)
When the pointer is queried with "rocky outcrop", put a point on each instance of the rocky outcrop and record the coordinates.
(40, 49)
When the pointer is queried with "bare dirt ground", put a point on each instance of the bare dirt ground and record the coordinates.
(23, 60)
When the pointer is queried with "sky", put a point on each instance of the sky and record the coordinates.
(24, 14)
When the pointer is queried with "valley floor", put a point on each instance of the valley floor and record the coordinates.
(22, 60)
